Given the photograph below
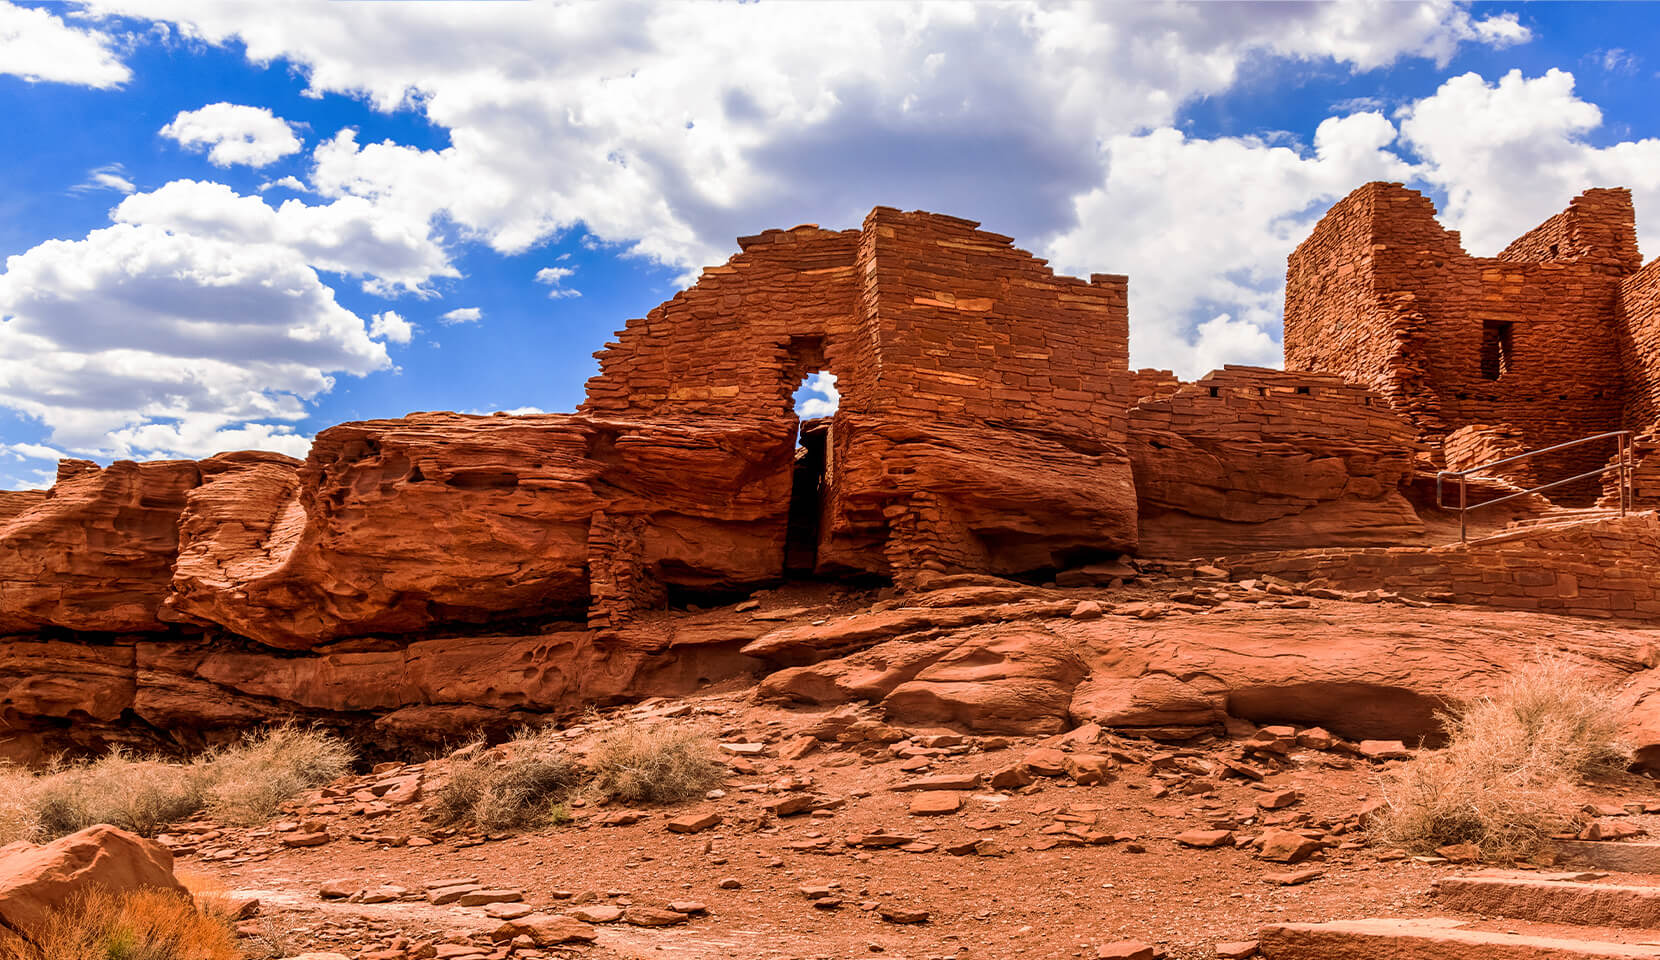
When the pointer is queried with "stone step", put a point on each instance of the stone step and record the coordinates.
(1618, 856)
(1433, 939)
(1553, 901)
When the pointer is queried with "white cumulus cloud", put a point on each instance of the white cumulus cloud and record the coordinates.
(137, 341)
(554, 278)
(1204, 227)
(349, 235)
(234, 133)
(389, 326)
(462, 315)
(42, 48)
(632, 120)
(818, 397)
(1511, 152)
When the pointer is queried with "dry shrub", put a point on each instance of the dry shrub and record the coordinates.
(17, 813)
(241, 784)
(134, 793)
(138, 925)
(655, 763)
(1505, 781)
(522, 783)
(251, 780)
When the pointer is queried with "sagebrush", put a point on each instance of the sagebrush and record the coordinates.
(655, 763)
(1506, 780)
(524, 782)
(244, 783)
(531, 779)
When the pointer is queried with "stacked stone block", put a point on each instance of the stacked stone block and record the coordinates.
(962, 361)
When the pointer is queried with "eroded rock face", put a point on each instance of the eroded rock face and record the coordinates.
(1252, 459)
(14, 502)
(400, 525)
(181, 693)
(95, 553)
(1362, 672)
(907, 493)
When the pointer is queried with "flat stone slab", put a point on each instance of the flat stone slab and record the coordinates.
(1620, 857)
(1429, 940)
(1553, 901)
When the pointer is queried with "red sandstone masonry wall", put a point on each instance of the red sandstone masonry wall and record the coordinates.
(739, 341)
(1252, 458)
(970, 327)
(1598, 226)
(1333, 322)
(1639, 320)
(1417, 336)
(933, 327)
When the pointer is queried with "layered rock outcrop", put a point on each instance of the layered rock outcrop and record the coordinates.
(401, 525)
(96, 552)
(1360, 671)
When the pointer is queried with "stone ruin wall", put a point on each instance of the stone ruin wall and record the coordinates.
(963, 364)
(1639, 324)
(1248, 458)
(1383, 295)
(422, 576)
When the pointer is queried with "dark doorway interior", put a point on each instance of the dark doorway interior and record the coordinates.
(806, 499)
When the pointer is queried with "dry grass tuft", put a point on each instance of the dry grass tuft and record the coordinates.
(241, 784)
(529, 780)
(140, 925)
(522, 783)
(1505, 781)
(655, 763)
(133, 793)
(252, 779)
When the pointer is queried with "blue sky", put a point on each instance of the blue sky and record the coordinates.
(223, 232)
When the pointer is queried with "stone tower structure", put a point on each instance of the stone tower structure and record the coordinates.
(1556, 338)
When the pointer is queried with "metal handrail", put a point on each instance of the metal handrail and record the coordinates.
(1622, 464)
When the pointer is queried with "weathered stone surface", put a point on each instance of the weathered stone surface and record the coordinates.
(546, 930)
(36, 880)
(1426, 939)
(1011, 679)
(96, 552)
(397, 525)
(973, 497)
(1360, 671)
(1552, 901)
(1253, 459)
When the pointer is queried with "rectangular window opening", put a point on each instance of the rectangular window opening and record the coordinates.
(1496, 348)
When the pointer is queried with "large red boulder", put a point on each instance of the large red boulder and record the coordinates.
(36, 880)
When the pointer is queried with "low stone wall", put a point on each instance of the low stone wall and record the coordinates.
(1592, 568)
